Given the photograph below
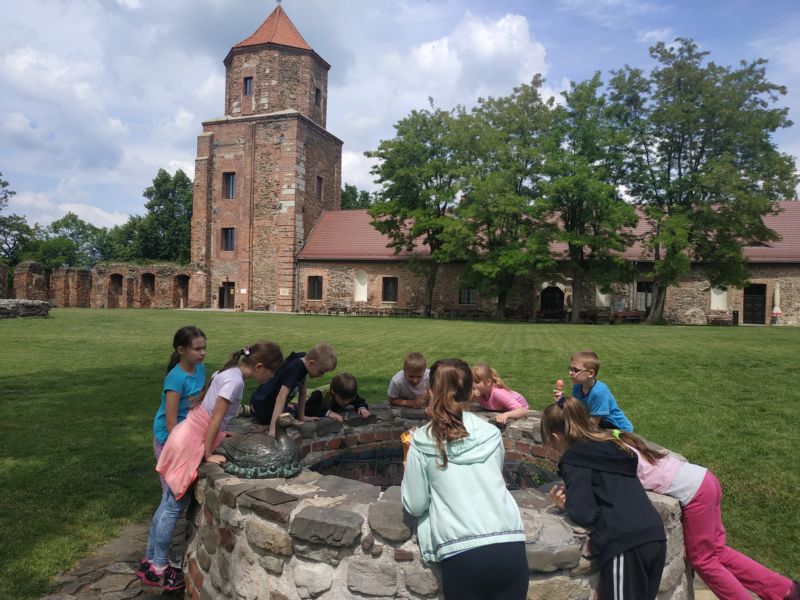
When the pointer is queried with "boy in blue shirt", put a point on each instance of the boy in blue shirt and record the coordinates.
(594, 394)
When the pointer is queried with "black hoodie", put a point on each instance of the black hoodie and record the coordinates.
(604, 494)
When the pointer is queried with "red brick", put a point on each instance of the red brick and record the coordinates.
(333, 444)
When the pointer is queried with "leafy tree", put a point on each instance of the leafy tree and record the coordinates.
(581, 193)
(89, 240)
(15, 237)
(54, 252)
(5, 193)
(352, 198)
(165, 231)
(505, 142)
(419, 173)
(701, 161)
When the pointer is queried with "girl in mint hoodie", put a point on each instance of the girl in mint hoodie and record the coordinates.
(453, 482)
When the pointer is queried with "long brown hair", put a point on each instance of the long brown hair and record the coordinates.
(266, 353)
(451, 389)
(484, 372)
(183, 338)
(568, 418)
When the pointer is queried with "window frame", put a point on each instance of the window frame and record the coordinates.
(247, 86)
(467, 296)
(386, 286)
(228, 235)
(229, 185)
(316, 287)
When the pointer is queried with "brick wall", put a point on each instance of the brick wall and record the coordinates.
(70, 287)
(133, 286)
(4, 287)
(30, 282)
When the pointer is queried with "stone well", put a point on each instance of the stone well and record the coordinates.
(328, 537)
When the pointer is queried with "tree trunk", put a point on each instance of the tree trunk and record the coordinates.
(500, 311)
(577, 288)
(430, 283)
(659, 302)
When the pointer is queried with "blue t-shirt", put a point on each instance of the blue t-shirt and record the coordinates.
(185, 385)
(600, 402)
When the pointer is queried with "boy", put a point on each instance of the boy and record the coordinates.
(269, 399)
(409, 387)
(594, 394)
(330, 401)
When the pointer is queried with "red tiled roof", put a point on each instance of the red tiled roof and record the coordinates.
(348, 235)
(277, 29)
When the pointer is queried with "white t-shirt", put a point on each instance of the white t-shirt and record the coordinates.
(230, 385)
(400, 388)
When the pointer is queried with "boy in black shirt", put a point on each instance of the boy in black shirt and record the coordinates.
(269, 399)
(331, 401)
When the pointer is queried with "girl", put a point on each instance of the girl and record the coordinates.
(493, 394)
(603, 493)
(453, 482)
(726, 572)
(193, 441)
(186, 377)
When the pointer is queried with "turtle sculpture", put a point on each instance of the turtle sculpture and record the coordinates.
(260, 456)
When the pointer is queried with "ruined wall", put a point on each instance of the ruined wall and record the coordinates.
(70, 287)
(4, 287)
(124, 285)
(30, 281)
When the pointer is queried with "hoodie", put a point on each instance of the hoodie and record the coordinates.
(605, 495)
(465, 505)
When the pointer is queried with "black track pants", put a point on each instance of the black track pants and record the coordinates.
(494, 572)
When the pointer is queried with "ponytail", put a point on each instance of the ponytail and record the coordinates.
(651, 455)
(567, 417)
(451, 388)
(266, 353)
(183, 338)
(484, 372)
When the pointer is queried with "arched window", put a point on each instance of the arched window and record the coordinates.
(360, 286)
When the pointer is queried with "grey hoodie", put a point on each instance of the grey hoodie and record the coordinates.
(465, 505)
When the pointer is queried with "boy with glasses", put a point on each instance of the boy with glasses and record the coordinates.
(594, 394)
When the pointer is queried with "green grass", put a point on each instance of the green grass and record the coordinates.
(79, 390)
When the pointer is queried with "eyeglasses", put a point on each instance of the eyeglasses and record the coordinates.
(574, 371)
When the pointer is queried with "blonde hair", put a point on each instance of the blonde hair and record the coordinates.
(451, 389)
(414, 361)
(588, 360)
(483, 372)
(323, 355)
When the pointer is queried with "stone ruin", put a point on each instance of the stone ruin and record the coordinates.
(328, 536)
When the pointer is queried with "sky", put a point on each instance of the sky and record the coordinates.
(97, 95)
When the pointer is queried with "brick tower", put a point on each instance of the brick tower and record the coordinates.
(264, 172)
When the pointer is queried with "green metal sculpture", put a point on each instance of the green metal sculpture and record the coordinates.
(259, 456)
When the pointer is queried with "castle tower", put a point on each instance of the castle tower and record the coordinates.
(264, 172)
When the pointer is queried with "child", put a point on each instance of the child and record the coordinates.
(330, 401)
(594, 394)
(453, 482)
(726, 572)
(409, 387)
(186, 377)
(193, 441)
(493, 394)
(603, 494)
(268, 400)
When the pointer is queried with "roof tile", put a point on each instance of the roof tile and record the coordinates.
(277, 29)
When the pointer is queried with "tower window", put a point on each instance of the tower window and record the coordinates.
(228, 239)
(317, 96)
(315, 287)
(389, 289)
(229, 181)
(248, 86)
(319, 190)
(467, 296)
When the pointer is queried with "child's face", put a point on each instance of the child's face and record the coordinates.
(195, 353)
(341, 400)
(580, 374)
(262, 374)
(315, 369)
(414, 378)
(484, 387)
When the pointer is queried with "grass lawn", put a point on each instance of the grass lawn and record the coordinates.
(80, 388)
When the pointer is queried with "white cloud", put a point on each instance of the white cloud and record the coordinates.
(356, 171)
(93, 214)
(656, 35)
(612, 13)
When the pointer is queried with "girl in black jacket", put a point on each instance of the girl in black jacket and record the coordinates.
(603, 493)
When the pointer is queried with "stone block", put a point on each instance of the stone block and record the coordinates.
(559, 586)
(227, 538)
(312, 579)
(318, 552)
(403, 555)
(279, 513)
(387, 519)
(372, 577)
(392, 494)
(549, 542)
(356, 491)
(269, 537)
(272, 564)
(328, 427)
(327, 526)
(229, 492)
(421, 580)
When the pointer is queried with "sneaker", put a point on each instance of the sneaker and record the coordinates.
(144, 566)
(171, 579)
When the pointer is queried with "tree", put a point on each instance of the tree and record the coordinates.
(54, 252)
(352, 198)
(15, 238)
(702, 162)
(165, 231)
(581, 193)
(504, 143)
(5, 194)
(420, 179)
(89, 240)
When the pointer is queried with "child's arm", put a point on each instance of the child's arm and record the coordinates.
(418, 403)
(171, 409)
(280, 403)
(415, 489)
(517, 413)
(580, 503)
(220, 408)
(301, 404)
(361, 406)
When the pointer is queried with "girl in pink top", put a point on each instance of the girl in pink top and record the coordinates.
(493, 394)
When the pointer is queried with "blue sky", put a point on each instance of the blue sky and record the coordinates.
(97, 95)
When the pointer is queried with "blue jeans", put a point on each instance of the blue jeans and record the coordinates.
(163, 526)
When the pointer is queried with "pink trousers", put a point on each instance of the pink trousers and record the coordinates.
(727, 573)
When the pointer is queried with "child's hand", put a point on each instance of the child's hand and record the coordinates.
(215, 459)
(335, 416)
(418, 403)
(559, 496)
(363, 412)
(501, 419)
